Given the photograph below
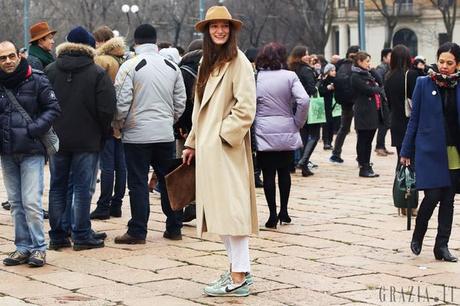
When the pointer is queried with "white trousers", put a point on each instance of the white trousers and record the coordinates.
(238, 252)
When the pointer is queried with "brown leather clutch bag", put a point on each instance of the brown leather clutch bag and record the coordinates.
(180, 184)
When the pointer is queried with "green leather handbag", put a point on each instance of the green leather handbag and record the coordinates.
(404, 193)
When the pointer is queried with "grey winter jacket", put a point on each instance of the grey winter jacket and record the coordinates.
(150, 97)
(282, 107)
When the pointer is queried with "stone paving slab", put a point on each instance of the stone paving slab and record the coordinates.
(346, 246)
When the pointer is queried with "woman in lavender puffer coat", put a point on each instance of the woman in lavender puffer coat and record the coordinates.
(282, 106)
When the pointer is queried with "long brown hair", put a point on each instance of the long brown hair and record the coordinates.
(295, 58)
(214, 57)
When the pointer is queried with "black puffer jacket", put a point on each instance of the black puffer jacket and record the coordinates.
(86, 96)
(38, 99)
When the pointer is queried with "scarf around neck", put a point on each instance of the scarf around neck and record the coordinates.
(45, 57)
(12, 80)
(444, 81)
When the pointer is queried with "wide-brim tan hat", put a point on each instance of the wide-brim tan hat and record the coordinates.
(215, 13)
(40, 30)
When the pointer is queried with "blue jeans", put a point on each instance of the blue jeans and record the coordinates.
(113, 186)
(139, 157)
(77, 170)
(23, 179)
(66, 221)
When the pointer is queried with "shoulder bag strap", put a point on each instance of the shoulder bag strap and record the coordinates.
(189, 70)
(17, 106)
(405, 84)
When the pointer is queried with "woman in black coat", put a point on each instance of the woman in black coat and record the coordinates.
(298, 62)
(367, 110)
(395, 89)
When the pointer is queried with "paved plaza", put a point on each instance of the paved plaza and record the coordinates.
(346, 246)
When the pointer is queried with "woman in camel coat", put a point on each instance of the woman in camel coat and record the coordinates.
(225, 104)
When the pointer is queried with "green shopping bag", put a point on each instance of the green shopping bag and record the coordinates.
(336, 109)
(316, 113)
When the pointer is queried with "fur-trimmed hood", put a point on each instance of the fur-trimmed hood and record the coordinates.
(71, 57)
(114, 47)
(72, 48)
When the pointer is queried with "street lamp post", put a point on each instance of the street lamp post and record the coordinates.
(362, 26)
(26, 22)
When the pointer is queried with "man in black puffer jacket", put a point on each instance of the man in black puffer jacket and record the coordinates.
(87, 98)
(22, 153)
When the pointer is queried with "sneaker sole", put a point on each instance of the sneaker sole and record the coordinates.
(36, 265)
(227, 294)
(86, 247)
(9, 264)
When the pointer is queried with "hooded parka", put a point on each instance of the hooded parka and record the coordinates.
(225, 189)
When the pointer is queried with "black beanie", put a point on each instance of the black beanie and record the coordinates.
(145, 34)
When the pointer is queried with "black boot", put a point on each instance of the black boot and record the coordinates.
(306, 171)
(102, 212)
(273, 219)
(307, 152)
(365, 170)
(443, 253)
(189, 213)
(417, 237)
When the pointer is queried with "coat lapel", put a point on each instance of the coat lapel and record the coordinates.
(211, 85)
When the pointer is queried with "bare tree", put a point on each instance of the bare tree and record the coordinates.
(448, 10)
(391, 13)
(315, 21)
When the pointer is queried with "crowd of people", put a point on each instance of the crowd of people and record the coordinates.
(233, 115)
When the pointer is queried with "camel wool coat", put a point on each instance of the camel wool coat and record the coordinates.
(225, 188)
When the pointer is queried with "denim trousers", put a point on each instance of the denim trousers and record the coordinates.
(139, 158)
(113, 174)
(76, 170)
(23, 179)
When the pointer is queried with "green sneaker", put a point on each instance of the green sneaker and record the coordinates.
(225, 278)
(229, 289)
(16, 258)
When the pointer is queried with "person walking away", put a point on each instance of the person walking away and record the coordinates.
(282, 106)
(433, 135)
(345, 97)
(86, 95)
(368, 110)
(151, 98)
(22, 154)
(224, 109)
(110, 55)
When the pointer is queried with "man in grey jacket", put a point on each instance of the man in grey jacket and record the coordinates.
(151, 98)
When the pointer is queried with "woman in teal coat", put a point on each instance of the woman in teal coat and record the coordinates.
(433, 134)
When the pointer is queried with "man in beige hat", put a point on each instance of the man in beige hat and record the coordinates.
(41, 45)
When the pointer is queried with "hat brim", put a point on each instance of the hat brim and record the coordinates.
(201, 25)
(42, 35)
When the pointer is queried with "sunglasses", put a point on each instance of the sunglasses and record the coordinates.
(11, 56)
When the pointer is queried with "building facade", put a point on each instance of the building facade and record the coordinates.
(420, 27)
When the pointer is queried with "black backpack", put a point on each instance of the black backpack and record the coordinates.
(342, 83)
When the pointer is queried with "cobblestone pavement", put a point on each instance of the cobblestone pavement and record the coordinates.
(346, 246)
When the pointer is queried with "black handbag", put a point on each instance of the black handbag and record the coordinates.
(404, 193)
(50, 139)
